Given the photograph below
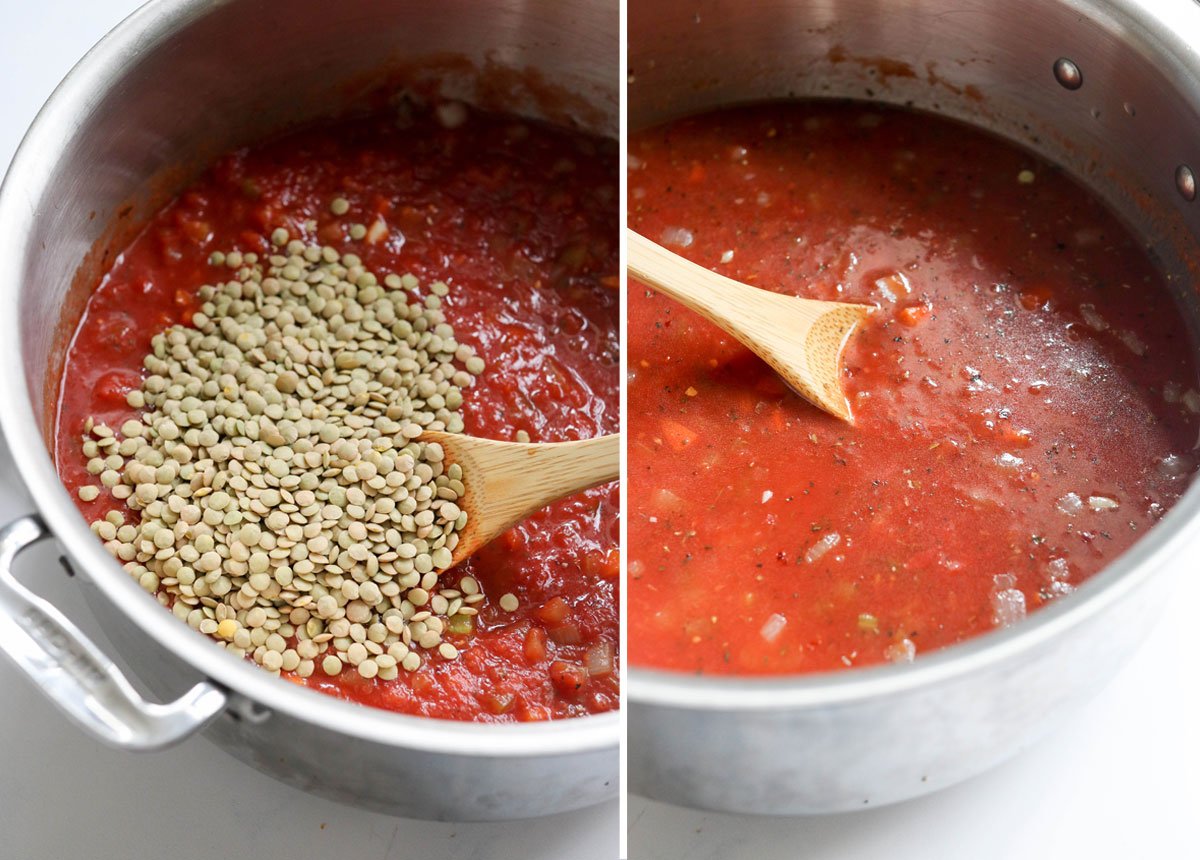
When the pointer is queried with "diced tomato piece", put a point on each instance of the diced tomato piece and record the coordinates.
(535, 645)
(381, 205)
(251, 241)
(554, 611)
(196, 230)
(568, 678)
(697, 173)
(914, 315)
(532, 713)
(1018, 437)
(331, 234)
(497, 703)
(606, 565)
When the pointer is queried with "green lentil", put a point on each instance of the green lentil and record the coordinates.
(279, 488)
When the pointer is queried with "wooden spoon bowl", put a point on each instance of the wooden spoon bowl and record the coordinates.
(507, 481)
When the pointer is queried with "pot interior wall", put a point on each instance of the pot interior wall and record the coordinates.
(1124, 132)
(211, 77)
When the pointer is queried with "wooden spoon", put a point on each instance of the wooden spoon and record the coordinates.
(801, 339)
(507, 481)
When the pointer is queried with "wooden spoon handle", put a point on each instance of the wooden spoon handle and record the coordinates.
(684, 281)
(800, 338)
(541, 474)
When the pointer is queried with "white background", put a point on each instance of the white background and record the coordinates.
(62, 795)
(1123, 781)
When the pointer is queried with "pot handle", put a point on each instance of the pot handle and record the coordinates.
(75, 675)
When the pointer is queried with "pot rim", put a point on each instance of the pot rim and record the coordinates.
(26, 179)
(1157, 30)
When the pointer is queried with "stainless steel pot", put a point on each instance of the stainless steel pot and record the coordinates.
(172, 87)
(1112, 92)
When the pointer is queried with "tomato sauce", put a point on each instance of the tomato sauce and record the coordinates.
(518, 219)
(1023, 396)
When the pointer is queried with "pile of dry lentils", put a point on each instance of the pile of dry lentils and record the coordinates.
(284, 505)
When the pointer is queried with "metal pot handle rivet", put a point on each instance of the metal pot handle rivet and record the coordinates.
(75, 675)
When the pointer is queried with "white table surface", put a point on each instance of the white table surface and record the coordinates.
(62, 795)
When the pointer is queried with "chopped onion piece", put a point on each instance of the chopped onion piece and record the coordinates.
(1092, 317)
(1174, 466)
(892, 286)
(1058, 588)
(727, 256)
(376, 232)
(680, 237)
(822, 546)
(1070, 504)
(1103, 503)
(1058, 572)
(1192, 401)
(665, 500)
(773, 627)
(599, 659)
(766, 496)
(451, 114)
(903, 651)
(1009, 461)
(1008, 602)
(1133, 342)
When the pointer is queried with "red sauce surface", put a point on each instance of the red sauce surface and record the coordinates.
(518, 219)
(984, 393)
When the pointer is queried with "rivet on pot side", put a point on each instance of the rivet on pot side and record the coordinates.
(1185, 181)
(1068, 74)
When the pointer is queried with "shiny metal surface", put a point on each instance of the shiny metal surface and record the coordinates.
(174, 85)
(73, 672)
(867, 737)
